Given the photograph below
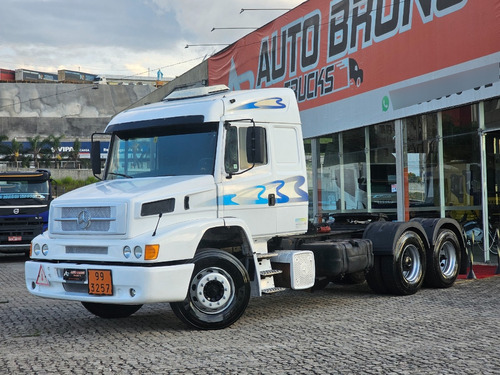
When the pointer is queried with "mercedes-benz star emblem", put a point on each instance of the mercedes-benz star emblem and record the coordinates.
(83, 219)
(16, 211)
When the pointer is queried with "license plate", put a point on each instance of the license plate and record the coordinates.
(15, 238)
(100, 282)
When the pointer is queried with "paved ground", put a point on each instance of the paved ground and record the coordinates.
(340, 330)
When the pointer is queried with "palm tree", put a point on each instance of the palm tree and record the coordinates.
(36, 146)
(55, 143)
(75, 154)
(16, 148)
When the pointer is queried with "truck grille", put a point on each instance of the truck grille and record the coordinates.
(90, 219)
(86, 220)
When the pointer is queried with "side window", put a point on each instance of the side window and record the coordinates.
(246, 147)
(231, 157)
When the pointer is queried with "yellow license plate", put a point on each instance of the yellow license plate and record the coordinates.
(100, 282)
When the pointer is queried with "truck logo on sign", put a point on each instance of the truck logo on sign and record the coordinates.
(83, 219)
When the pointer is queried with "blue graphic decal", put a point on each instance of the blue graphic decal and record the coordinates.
(288, 190)
(227, 200)
(282, 198)
(271, 103)
(304, 196)
(261, 200)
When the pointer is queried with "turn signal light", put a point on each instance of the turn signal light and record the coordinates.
(151, 252)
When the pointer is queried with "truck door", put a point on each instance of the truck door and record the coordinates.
(249, 190)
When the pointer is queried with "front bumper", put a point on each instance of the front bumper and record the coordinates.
(132, 285)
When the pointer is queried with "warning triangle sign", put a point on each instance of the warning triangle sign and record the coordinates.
(42, 279)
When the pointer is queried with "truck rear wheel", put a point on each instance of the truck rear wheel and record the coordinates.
(218, 294)
(443, 260)
(403, 273)
(110, 311)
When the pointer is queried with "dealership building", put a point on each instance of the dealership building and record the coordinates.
(399, 100)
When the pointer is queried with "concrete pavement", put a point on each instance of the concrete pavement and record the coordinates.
(339, 330)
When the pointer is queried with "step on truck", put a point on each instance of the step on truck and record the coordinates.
(203, 203)
(24, 208)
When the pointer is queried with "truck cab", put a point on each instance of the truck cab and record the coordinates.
(191, 190)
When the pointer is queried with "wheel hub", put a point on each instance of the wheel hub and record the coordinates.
(410, 264)
(212, 290)
(447, 259)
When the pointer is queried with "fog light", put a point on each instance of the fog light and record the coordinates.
(45, 249)
(132, 292)
(127, 251)
(36, 249)
(151, 252)
(138, 252)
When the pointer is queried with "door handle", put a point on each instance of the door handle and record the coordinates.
(271, 200)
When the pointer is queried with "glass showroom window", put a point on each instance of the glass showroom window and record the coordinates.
(383, 169)
(492, 148)
(354, 170)
(328, 171)
(461, 163)
(342, 172)
(422, 145)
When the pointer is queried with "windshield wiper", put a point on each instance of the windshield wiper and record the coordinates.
(120, 174)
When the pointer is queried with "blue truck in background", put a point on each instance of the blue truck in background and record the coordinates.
(24, 208)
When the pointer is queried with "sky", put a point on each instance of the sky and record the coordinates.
(125, 37)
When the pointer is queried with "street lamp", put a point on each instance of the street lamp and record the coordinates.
(244, 9)
(205, 45)
(233, 28)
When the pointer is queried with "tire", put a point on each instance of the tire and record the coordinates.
(443, 260)
(218, 294)
(404, 272)
(110, 311)
(374, 277)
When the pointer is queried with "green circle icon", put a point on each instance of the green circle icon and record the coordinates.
(385, 103)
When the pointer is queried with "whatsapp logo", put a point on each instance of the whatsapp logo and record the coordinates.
(385, 103)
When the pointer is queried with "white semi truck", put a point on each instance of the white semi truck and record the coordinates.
(203, 203)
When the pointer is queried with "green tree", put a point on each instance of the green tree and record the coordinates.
(55, 143)
(16, 149)
(36, 148)
(75, 153)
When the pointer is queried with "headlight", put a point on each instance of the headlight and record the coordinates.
(138, 252)
(45, 249)
(36, 249)
(127, 251)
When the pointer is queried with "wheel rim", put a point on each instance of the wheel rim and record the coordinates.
(411, 264)
(448, 259)
(212, 290)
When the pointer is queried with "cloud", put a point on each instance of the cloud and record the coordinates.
(122, 36)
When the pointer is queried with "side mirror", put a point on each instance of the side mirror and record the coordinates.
(256, 145)
(95, 157)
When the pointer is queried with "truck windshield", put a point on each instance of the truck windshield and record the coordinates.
(13, 192)
(174, 151)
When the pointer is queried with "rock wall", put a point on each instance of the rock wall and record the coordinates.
(72, 110)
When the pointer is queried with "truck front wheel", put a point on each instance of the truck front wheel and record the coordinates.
(404, 272)
(110, 311)
(443, 260)
(218, 293)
